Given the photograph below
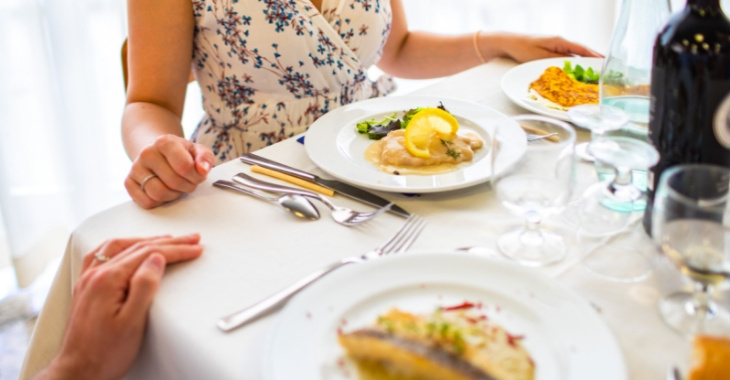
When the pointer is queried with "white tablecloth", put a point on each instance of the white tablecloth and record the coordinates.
(253, 248)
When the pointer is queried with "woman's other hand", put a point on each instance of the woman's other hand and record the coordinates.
(110, 302)
(166, 169)
(523, 48)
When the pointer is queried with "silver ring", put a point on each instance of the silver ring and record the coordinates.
(101, 257)
(144, 181)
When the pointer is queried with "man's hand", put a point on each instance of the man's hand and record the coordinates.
(110, 303)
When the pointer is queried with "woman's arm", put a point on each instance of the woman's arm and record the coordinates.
(160, 53)
(419, 55)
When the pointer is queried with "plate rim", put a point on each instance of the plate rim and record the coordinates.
(607, 337)
(514, 75)
(327, 124)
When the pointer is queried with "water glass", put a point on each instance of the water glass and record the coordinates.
(538, 186)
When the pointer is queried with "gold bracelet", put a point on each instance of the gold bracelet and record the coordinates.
(476, 46)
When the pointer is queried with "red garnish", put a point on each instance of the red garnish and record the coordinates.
(512, 339)
(309, 315)
(477, 319)
(462, 306)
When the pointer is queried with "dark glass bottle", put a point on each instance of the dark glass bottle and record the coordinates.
(690, 78)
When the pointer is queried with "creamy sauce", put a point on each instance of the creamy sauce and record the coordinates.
(391, 155)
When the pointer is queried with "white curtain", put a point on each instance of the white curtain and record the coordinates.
(61, 97)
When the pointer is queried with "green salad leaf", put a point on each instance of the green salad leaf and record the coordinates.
(376, 129)
(580, 74)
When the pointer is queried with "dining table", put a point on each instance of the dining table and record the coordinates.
(254, 248)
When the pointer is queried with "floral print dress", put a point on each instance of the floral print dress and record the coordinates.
(269, 68)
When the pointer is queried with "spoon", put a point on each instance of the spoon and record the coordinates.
(341, 215)
(295, 204)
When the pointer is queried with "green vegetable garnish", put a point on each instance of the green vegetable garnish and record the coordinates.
(580, 74)
(377, 129)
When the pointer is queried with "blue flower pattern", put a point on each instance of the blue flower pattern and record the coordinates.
(269, 68)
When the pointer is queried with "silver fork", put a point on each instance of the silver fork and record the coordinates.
(341, 215)
(399, 242)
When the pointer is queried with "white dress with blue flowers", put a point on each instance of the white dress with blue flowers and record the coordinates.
(269, 68)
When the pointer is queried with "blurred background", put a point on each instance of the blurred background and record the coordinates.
(61, 100)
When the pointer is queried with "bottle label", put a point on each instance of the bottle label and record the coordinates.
(721, 123)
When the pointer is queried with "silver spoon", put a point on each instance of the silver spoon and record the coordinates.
(295, 204)
(341, 215)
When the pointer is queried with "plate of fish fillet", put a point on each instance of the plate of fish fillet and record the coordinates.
(543, 87)
(437, 315)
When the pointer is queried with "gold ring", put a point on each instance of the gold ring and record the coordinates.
(101, 257)
(144, 181)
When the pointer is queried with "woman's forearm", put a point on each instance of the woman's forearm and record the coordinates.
(425, 55)
(144, 122)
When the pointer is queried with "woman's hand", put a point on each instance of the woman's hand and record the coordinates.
(523, 48)
(166, 169)
(110, 303)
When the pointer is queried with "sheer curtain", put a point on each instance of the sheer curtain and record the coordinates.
(61, 97)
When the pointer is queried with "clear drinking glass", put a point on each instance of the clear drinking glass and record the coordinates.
(539, 186)
(691, 228)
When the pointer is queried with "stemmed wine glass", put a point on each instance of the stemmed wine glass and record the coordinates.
(539, 186)
(691, 227)
(606, 207)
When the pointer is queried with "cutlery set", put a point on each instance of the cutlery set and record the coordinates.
(297, 201)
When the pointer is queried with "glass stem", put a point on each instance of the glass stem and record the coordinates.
(532, 235)
(702, 303)
(622, 188)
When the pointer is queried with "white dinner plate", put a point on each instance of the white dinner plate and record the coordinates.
(333, 144)
(565, 336)
(516, 82)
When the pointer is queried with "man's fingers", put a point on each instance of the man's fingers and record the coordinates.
(181, 248)
(142, 288)
(112, 248)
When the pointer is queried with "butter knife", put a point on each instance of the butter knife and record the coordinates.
(340, 187)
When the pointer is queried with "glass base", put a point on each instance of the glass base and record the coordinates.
(581, 151)
(680, 312)
(621, 264)
(596, 217)
(551, 249)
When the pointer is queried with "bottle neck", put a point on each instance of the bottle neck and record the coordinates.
(704, 3)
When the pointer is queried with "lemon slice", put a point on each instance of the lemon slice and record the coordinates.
(426, 125)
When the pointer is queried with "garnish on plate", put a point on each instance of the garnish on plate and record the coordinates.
(377, 129)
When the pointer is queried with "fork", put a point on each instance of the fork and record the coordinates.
(341, 215)
(536, 137)
(399, 242)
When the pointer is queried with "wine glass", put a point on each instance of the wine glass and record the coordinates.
(539, 186)
(605, 210)
(691, 228)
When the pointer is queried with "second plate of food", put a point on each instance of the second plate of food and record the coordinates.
(563, 336)
(334, 144)
(516, 83)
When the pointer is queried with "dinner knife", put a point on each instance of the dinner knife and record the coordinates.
(340, 187)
